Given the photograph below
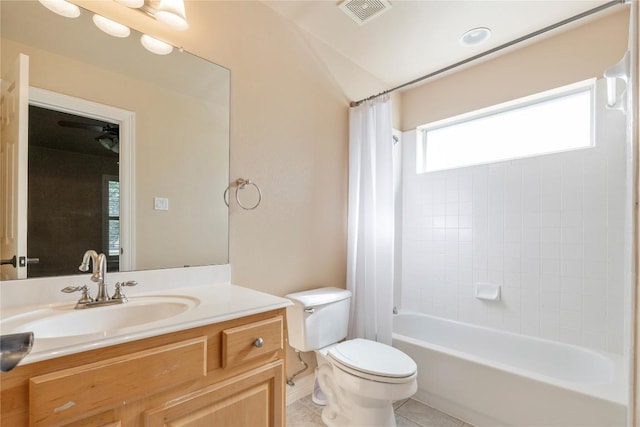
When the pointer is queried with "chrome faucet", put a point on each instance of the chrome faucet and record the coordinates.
(98, 275)
(99, 272)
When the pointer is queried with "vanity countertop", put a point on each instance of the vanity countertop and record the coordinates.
(209, 304)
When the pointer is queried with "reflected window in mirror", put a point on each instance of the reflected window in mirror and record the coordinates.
(111, 221)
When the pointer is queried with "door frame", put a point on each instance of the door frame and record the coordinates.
(126, 120)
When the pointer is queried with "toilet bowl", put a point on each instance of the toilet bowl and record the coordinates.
(360, 378)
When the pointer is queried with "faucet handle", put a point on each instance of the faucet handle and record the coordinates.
(118, 295)
(84, 299)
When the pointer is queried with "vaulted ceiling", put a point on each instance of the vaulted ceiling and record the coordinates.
(416, 37)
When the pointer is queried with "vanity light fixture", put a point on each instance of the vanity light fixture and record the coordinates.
(110, 27)
(62, 8)
(167, 12)
(172, 14)
(475, 36)
(156, 46)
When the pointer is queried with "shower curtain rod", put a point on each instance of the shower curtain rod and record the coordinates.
(497, 48)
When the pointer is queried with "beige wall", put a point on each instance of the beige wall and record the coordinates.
(577, 54)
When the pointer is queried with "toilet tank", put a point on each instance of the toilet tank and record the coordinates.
(318, 318)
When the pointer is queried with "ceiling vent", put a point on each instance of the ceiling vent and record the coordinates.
(363, 11)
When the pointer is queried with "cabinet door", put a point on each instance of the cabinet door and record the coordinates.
(106, 419)
(252, 399)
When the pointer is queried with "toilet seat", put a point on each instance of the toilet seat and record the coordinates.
(373, 361)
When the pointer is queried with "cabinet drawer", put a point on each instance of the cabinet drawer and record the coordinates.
(246, 342)
(70, 393)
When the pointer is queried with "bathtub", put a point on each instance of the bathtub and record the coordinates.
(490, 378)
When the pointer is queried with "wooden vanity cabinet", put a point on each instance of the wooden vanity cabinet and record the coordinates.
(225, 374)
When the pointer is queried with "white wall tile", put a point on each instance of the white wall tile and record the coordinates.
(549, 229)
(572, 235)
(550, 250)
(550, 219)
(571, 251)
(549, 325)
(451, 221)
(465, 234)
(465, 208)
(538, 219)
(596, 340)
(571, 302)
(512, 279)
(550, 301)
(571, 267)
(530, 280)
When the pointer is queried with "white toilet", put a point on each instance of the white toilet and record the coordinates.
(360, 378)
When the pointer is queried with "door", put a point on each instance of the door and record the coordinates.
(13, 168)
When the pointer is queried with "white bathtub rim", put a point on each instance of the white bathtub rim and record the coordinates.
(614, 391)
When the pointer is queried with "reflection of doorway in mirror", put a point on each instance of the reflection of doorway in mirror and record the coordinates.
(79, 183)
(13, 140)
(68, 157)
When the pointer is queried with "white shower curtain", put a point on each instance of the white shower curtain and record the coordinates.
(371, 222)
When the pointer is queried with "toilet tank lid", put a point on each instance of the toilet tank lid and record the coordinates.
(315, 297)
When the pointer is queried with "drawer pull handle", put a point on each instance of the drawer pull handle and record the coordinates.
(258, 342)
(64, 407)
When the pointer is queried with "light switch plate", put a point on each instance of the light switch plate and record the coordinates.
(160, 203)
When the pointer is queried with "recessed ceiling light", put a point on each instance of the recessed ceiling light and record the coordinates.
(475, 36)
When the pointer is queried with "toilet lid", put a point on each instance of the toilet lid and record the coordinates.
(373, 358)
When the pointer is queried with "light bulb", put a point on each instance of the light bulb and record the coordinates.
(155, 46)
(110, 27)
(62, 8)
(171, 13)
(132, 3)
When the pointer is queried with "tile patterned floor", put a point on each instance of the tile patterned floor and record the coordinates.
(409, 413)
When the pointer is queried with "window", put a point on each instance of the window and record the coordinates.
(550, 122)
(111, 215)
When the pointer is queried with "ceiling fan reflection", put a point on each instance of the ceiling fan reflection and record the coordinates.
(108, 138)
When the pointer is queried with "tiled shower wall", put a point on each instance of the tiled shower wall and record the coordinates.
(552, 230)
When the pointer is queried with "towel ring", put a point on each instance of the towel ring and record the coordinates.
(241, 184)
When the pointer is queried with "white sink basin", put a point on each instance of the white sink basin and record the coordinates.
(59, 321)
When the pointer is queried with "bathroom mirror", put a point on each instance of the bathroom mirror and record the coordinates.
(178, 152)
